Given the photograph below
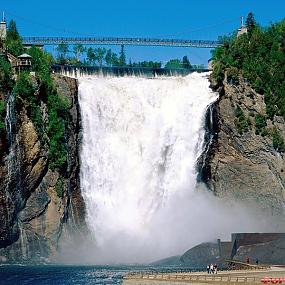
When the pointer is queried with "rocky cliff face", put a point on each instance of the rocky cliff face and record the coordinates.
(33, 216)
(240, 161)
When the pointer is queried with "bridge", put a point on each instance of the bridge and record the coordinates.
(121, 41)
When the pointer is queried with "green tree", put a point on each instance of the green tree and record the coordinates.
(108, 57)
(277, 141)
(173, 63)
(250, 22)
(91, 55)
(115, 59)
(186, 62)
(122, 57)
(6, 81)
(78, 50)
(13, 40)
(62, 50)
(99, 55)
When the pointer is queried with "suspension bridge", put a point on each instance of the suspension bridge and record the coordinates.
(121, 41)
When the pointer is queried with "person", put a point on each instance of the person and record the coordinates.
(212, 268)
(208, 268)
(256, 261)
(247, 260)
(215, 268)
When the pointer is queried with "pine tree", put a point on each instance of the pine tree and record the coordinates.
(122, 58)
(250, 22)
(186, 62)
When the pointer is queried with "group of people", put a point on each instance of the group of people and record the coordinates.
(212, 268)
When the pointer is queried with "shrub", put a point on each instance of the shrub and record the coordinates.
(57, 117)
(277, 141)
(6, 81)
(59, 187)
(260, 124)
(241, 122)
(233, 75)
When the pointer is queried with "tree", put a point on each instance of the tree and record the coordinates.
(13, 39)
(78, 50)
(90, 55)
(115, 60)
(99, 55)
(250, 22)
(62, 50)
(12, 32)
(186, 62)
(173, 63)
(122, 58)
(108, 57)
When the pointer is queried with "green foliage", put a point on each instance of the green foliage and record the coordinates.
(57, 117)
(90, 55)
(174, 63)
(78, 50)
(250, 22)
(59, 187)
(41, 62)
(260, 125)
(277, 141)
(233, 75)
(13, 41)
(108, 57)
(186, 62)
(62, 50)
(260, 57)
(241, 122)
(218, 72)
(100, 55)
(25, 92)
(147, 64)
(24, 88)
(122, 57)
(6, 81)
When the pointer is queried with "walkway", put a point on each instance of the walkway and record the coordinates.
(223, 277)
(121, 41)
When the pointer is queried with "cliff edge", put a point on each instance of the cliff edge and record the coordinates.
(37, 204)
(242, 160)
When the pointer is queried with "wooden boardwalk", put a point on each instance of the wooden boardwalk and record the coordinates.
(232, 277)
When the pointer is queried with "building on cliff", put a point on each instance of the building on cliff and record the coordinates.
(242, 30)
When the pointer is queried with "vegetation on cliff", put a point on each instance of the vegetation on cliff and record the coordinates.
(38, 96)
(259, 57)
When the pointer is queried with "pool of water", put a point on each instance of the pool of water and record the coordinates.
(72, 274)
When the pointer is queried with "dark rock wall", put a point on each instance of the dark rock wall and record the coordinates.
(244, 166)
(32, 215)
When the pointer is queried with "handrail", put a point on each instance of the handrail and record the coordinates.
(221, 278)
(123, 41)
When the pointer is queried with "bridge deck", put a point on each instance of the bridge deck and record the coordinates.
(121, 41)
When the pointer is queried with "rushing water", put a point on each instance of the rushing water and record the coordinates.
(141, 140)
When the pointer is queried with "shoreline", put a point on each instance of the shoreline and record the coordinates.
(222, 277)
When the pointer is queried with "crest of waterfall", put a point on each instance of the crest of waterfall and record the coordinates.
(141, 141)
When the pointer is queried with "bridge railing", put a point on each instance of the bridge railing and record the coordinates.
(122, 40)
(189, 277)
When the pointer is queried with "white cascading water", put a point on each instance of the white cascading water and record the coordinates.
(141, 140)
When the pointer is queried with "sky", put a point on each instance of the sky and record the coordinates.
(181, 19)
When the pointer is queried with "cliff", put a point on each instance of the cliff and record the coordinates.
(36, 205)
(240, 161)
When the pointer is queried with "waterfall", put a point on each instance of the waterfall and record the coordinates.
(141, 140)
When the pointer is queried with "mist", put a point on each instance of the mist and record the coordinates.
(141, 141)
